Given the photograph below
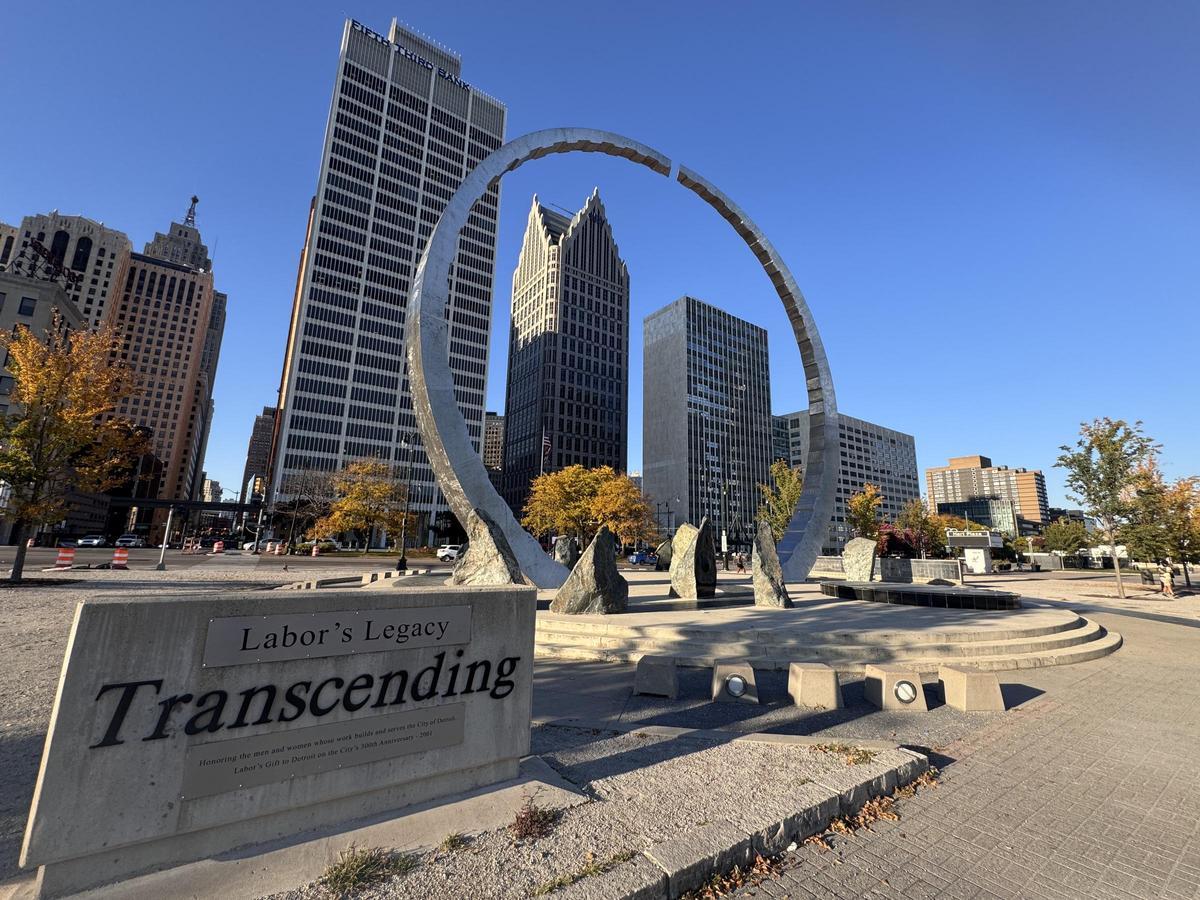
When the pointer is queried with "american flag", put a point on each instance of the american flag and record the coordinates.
(545, 445)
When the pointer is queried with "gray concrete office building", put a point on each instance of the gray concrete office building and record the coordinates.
(567, 397)
(867, 453)
(706, 426)
(404, 130)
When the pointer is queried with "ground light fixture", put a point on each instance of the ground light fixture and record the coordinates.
(905, 691)
(735, 686)
(454, 459)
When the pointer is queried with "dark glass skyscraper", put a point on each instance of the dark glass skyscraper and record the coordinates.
(568, 352)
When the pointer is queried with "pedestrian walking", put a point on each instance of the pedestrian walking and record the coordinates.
(741, 564)
(1167, 577)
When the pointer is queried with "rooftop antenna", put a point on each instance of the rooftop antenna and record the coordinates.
(190, 218)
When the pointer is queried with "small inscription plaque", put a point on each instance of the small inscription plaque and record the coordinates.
(251, 639)
(222, 766)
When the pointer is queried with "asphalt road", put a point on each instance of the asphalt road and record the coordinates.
(146, 558)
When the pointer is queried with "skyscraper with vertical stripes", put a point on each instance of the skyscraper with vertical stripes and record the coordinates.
(404, 130)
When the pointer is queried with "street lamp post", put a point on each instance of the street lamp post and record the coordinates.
(402, 562)
(162, 551)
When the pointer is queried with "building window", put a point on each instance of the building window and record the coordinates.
(27, 305)
(83, 251)
(6, 384)
(58, 247)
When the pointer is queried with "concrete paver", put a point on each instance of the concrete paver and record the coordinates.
(1087, 790)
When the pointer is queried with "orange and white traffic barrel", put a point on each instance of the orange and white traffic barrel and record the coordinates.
(66, 558)
(219, 547)
(316, 551)
(120, 558)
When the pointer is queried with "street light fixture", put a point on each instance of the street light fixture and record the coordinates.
(402, 562)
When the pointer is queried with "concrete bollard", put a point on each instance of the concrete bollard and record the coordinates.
(971, 690)
(657, 675)
(733, 682)
(814, 685)
(894, 687)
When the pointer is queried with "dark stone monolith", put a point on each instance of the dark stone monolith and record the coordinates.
(769, 588)
(489, 558)
(663, 554)
(594, 587)
(694, 568)
(858, 559)
(566, 551)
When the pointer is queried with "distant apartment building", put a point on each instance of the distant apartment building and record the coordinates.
(403, 132)
(258, 453)
(706, 426)
(97, 256)
(567, 397)
(975, 478)
(868, 453)
(211, 491)
(493, 441)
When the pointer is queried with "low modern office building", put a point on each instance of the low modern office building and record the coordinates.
(706, 426)
(868, 453)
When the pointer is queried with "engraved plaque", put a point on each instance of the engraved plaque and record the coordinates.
(251, 639)
(221, 766)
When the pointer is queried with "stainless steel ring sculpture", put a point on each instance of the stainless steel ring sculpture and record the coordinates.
(459, 469)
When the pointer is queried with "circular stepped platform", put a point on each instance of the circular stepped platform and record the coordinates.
(846, 635)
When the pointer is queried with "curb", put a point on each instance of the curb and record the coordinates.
(685, 863)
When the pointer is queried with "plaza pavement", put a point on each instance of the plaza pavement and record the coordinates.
(1089, 789)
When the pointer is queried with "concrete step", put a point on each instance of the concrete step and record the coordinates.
(798, 651)
(563, 628)
(1000, 656)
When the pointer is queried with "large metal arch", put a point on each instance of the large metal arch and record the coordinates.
(459, 469)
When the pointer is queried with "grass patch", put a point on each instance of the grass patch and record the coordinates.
(593, 866)
(453, 842)
(854, 756)
(358, 867)
(533, 821)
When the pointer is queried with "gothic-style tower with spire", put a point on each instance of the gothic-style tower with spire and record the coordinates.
(567, 400)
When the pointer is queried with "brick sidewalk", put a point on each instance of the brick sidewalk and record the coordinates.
(1089, 790)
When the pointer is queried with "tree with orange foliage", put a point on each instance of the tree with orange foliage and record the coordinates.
(60, 433)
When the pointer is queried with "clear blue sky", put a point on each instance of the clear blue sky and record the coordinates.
(993, 209)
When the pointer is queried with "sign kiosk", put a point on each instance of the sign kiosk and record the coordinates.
(977, 546)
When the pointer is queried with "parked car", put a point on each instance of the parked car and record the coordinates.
(449, 552)
(91, 540)
(643, 558)
(130, 540)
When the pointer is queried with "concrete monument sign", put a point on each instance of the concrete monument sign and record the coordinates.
(188, 726)
(457, 464)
